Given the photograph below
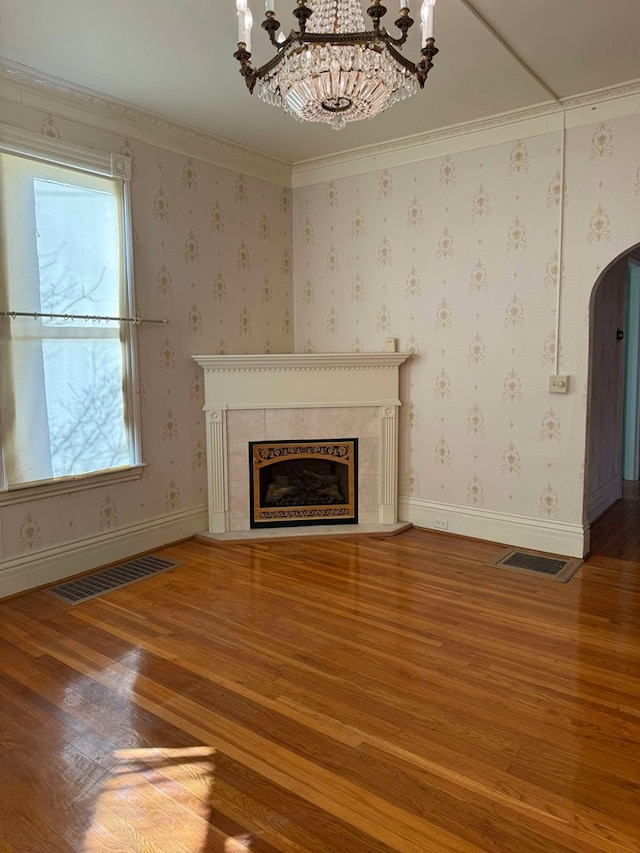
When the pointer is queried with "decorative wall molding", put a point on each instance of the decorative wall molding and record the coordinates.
(539, 534)
(585, 109)
(17, 140)
(29, 88)
(330, 403)
(258, 362)
(454, 139)
(49, 565)
(261, 381)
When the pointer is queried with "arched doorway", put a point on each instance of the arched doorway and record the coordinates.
(612, 463)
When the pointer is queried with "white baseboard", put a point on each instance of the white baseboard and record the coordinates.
(604, 496)
(556, 537)
(49, 565)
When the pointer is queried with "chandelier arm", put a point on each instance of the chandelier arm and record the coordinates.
(250, 76)
(271, 26)
(422, 67)
(302, 13)
(282, 45)
(425, 64)
(402, 60)
(268, 66)
(375, 12)
(244, 58)
(404, 24)
(389, 39)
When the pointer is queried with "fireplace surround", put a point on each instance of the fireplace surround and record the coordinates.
(301, 397)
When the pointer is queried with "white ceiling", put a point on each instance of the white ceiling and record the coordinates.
(176, 59)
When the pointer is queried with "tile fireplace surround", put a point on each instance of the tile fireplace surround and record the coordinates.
(301, 396)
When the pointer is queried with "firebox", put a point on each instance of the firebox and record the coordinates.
(303, 482)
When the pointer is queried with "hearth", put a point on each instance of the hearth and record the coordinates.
(303, 482)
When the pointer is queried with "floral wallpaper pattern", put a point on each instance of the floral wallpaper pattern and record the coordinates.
(212, 255)
(457, 257)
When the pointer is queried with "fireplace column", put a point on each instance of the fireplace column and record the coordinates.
(217, 469)
(388, 465)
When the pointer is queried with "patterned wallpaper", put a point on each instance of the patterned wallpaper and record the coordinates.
(457, 258)
(212, 254)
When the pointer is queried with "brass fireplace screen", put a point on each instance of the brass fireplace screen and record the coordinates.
(303, 482)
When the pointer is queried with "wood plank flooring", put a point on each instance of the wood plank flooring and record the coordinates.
(330, 695)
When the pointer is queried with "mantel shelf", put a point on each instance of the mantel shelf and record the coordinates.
(303, 361)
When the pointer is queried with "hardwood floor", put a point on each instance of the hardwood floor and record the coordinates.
(330, 695)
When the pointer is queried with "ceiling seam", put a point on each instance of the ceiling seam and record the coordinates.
(512, 52)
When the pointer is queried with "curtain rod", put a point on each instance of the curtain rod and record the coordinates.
(95, 317)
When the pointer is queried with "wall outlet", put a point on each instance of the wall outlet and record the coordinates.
(558, 384)
(441, 524)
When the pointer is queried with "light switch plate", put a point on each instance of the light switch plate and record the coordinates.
(558, 384)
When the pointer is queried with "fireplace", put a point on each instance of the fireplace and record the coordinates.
(303, 482)
(289, 399)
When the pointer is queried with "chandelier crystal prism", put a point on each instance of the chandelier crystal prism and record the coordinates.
(331, 69)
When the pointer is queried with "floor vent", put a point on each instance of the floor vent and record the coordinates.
(532, 562)
(115, 577)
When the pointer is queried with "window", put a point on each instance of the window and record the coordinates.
(67, 375)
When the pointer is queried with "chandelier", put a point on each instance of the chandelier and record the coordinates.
(331, 69)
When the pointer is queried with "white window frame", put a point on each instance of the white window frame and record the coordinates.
(112, 165)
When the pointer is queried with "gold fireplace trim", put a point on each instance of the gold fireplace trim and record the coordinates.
(263, 454)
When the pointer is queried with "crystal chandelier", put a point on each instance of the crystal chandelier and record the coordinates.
(331, 69)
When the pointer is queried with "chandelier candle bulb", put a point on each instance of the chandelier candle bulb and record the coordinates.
(269, 6)
(248, 24)
(427, 20)
(404, 4)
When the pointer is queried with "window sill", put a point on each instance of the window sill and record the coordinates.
(68, 485)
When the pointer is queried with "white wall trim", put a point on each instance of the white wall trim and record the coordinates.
(539, 534)
(299, 361)
(601, 105)
(296, 404)
(454, 139)
(604, 496)
(29, 88)
(49, 565)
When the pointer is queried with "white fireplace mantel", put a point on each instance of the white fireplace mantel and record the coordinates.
(343, 383)
(294, 380)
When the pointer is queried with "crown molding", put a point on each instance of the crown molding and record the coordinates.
(30, 88)
(599, 105)
(454, 139)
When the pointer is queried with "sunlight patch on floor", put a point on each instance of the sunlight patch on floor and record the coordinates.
(158, 799)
